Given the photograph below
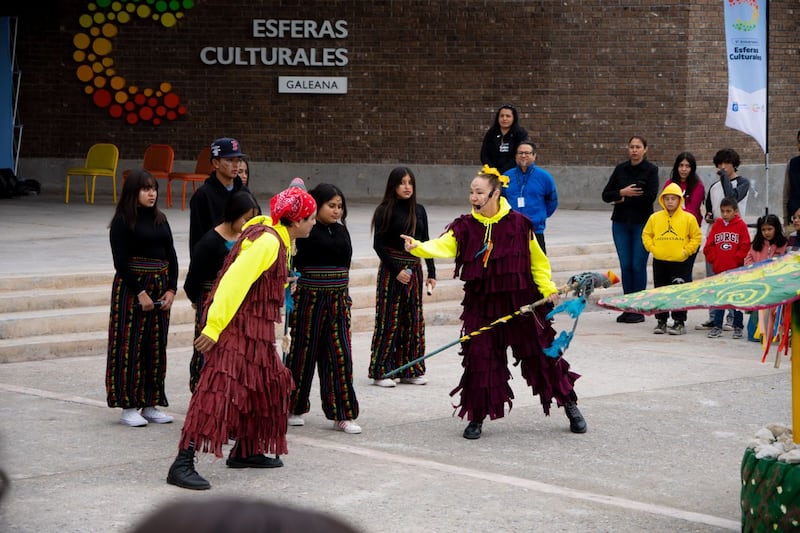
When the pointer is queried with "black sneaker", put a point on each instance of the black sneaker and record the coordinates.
(577, 424)
(254, 461)
(473, 430)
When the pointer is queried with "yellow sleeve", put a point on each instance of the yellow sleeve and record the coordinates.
(254, 258)
(540, 269)
(441, 247)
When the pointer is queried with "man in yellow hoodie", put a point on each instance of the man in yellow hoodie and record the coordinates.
(672, 236)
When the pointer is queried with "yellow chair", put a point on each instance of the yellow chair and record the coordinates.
(101, 160)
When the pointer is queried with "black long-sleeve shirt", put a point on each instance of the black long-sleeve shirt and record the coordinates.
(399, 225)
(634, 209)
(327, 245)
(207, 206)
(207, 258)
(149, 240)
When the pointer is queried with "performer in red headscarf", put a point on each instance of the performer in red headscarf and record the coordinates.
(244, 388)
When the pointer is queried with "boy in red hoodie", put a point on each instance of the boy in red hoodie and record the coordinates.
(726, 246)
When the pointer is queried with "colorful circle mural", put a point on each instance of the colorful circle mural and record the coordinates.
(96, 69)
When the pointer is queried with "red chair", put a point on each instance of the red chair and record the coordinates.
(158, 159)
(202, 168)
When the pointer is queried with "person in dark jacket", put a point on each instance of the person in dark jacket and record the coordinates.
(501, 140)
(632, 188)
(791, 187)
(208, 202)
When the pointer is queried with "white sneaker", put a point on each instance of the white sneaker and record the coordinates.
(131, 417)
(416, 380)
(348, 426)
(155, 416)
(384, 382)
(296, 420)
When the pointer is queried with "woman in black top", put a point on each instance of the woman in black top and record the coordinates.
(500, 143)
(399, 334)
(632, 188)
(320, 320)
(142, 293)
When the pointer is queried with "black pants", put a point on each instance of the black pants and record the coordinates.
(667, 273)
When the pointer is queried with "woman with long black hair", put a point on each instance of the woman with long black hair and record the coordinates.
(144, 287)
(399, 334)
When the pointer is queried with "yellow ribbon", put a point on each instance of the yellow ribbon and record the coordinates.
(494, 172)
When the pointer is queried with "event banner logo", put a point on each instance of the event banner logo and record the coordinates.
(746, 41)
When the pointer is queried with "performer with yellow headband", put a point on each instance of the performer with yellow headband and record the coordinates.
(503, 268)
(244, 388)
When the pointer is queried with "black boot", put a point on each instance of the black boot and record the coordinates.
(235, 460)
(182, 473)
(576, 422)
(473, 430)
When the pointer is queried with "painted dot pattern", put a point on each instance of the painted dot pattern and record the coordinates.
(109, 89)
(748, 25)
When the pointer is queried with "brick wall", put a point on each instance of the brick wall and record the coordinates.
(425, 78)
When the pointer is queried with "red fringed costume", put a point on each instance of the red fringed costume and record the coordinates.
(493, 259)
(244, 388)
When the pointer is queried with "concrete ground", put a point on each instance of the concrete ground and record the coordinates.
(669, 418)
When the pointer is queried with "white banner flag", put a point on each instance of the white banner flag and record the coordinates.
(746, 40)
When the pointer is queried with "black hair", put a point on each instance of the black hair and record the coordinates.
(323, 192)
(238, 515)
(529, 143)
(727, 155)
(383, 213)
(514, 123)
(692, 180)
(238, 204)
(729, 202)
(644, 141)
(778, 240)
(128, 204)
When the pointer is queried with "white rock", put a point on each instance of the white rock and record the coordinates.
(767, 451)
(778, 429)
(765, 434)
(791, 457)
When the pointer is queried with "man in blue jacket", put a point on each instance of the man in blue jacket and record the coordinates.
(531, 190)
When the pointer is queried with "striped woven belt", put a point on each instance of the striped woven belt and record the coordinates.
(324, 278)
(143, 265)
(404, 258)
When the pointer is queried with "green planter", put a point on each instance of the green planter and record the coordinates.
(770, 494)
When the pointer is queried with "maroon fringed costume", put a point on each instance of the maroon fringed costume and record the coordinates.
(244, 388)
(501, 287)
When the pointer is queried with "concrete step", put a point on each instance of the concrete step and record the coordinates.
(50, 316)
(41, 347)
(75, 320)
